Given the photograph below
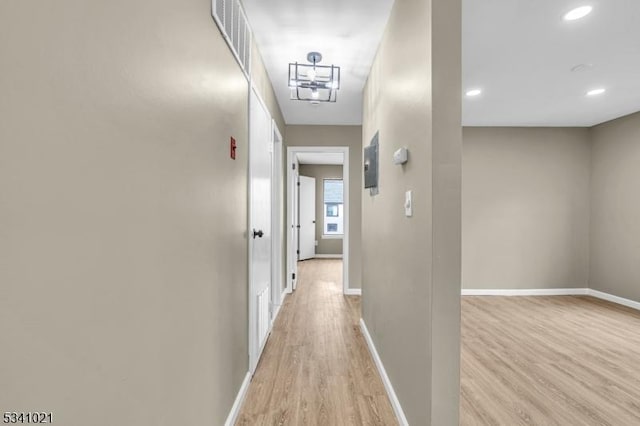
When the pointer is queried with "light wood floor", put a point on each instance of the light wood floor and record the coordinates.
(316, 368)
(558, 360)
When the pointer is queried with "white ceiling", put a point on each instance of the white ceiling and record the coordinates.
(519, 52)
(331, 158)
(347, 33)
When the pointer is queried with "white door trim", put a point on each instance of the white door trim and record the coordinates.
(248, 234)
(291, 248)
(277, 238)
(291, 256)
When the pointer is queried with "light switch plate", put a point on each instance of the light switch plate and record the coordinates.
(408, 203)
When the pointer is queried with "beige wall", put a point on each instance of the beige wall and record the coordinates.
(321, 172)
(525, 221)
(123, 284)
(411, 266)
(615, 208)
(261, 81)
(350, 136)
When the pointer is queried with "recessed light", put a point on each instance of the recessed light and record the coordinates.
(577, 13)
(473, 92)
(596, 92)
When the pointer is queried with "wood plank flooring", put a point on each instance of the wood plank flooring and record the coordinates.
(559, 360)
(316, 368)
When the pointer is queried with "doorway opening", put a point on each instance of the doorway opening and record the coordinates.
(317, 209)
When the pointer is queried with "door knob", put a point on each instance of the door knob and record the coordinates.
(258, 233)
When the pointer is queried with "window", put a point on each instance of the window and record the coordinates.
(333, 207)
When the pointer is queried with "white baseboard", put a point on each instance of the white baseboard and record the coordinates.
(395, 403)
(615, 299)
(327, 256)
(353, 292)
(276, 308)
(237, 404)
(553, 292)
(525, 292)
(275, 313)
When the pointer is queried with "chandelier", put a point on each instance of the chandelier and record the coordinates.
(312, 82)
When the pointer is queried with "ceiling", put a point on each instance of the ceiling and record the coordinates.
(331, 158)
(519, 52)
(347, 33)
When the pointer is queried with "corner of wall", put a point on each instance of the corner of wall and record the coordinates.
(590, 141)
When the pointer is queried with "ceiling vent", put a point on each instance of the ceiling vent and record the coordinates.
(232, 21)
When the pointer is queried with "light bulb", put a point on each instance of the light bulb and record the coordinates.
(315, 94)
(577, 13)
(596, 92)
(311, 74)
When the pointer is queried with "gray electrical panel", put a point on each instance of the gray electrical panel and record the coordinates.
(371, 165)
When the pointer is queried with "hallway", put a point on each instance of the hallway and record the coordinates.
(316, 368)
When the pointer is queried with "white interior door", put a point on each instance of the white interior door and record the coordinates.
(260, 247)
(307, 217)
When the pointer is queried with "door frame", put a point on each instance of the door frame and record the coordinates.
(294, 214)
(278, 290)
(292, 151)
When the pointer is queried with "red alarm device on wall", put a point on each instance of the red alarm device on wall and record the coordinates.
(232, 148)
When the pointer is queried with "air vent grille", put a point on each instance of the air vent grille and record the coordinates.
(232, 21)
